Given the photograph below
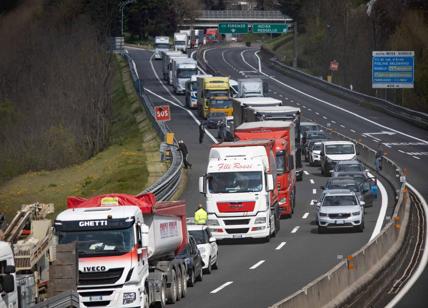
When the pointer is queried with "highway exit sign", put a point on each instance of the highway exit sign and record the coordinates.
(270, 28)
(233, 27)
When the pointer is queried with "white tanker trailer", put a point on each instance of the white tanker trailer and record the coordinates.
(126, 246)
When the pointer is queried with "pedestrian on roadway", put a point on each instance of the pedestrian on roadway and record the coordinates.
(378, 158)
(201, 216)
(201, 132)
(222, 130)
(185, 153)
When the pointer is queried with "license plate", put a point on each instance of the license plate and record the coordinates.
(237, 236)
(95, 298)
(340, 222)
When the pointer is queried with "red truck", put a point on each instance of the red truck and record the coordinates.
(212, 35)
(285, 155)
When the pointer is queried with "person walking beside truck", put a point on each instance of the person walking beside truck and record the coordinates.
(378, 160)
(201, 216)
(201, 132)
(184, 152)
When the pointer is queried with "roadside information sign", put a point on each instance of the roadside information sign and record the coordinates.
(233, 27)
(393, 69)
(269, 28)
(162, 113)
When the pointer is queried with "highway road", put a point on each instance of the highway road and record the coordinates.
(255, 274)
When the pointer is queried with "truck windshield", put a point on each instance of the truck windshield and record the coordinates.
(194, 86)
(280, 162)
(100, 242)
(216, 93)
(336, 149)
(220, 103)
(186, 73)
(162, 46)
(180, 43)
(235, 182)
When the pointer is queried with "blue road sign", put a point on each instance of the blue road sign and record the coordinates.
(393, 69)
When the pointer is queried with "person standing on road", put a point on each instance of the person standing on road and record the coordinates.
(378, 159)
(222, 130)
(184, 152)
(201, 216)
(201, 132)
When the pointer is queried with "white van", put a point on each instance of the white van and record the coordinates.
(334, 151)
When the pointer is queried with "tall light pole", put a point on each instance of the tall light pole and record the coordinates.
(122, 6)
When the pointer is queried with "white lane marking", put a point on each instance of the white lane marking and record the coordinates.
(334, 122)
(286, 98)
(224, 285)
(340, 108)
(352, 131)
(305, 172)
(304, 106)
(401, 151)
(225, 61)
(314, 191)
(312, 181)
(280, 245)
(274, 92)
(383, 208)
(309, 109)
(200, 68)
(260, 64)
(257, 264)
(295, 229)
(416, 157)
(424, 260)
(317, 113)
(343, 126)
(179, 105)
(324, 117)
(305, 215)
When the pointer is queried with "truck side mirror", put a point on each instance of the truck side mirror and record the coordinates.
(144, 235)
(8, 283)
(291, 162)
(270, 184)
(202, 185)
(9, 269)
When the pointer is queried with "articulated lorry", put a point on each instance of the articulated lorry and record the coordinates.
(239, 186)
(242, 103)
(180, 42)
(214, 96)
(182, 70)
(251, 87)
(166, 62)
(161, 45)
(126, 249)
(285, 154)
(279, 113)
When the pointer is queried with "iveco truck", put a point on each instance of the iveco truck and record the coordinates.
(182, 70)
(126, 249)
(161, 44)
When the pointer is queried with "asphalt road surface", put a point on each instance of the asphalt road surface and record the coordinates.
(298, 254)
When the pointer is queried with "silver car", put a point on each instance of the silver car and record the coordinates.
(339, 208)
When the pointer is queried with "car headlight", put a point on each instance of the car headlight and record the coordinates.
(323, 214)
(356, 213)
(212, 222)
(260, 220)
(129, 297)
(281, 201)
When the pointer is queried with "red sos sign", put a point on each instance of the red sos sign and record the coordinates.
(162, 113)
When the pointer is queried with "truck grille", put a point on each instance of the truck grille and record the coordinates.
(340, 216)
(96, 304)
(232, 222)
(239, 230)
(96, 278)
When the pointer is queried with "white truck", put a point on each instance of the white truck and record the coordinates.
(170, 69)
(126, 249)
(166, 61)
(8, 288)
(161, 44)
(250, 87)
(180, 42)
(241, 199)
(240, 104)
(182, 70)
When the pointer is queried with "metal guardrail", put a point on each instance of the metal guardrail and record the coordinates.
(167, 184)
(415, 117)
(67, 299)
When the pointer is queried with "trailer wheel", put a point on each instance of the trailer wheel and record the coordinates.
(183, 283)
(172, 290)
(192, 278)
(201, 275)
(179, 285)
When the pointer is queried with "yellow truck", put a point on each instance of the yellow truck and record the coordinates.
(214, 96)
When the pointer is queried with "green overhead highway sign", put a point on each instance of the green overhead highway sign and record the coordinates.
(233, 27)
(270, 28)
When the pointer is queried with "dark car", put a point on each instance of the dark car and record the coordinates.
(307, 126)
(361, 189)
(361, 177)
(194, 263)
(214, 118)
(349, 166)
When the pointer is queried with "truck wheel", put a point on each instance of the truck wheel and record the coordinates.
(179, 285)
(201, 275)
(360, 228)
(191, 282)
(172, 290)
(183, 284)
(208, 270)
(215, 265)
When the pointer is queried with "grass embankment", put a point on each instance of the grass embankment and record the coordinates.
(282, 46)
(128, 165)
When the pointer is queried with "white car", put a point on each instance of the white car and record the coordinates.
(207, 246)
(315, 154)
